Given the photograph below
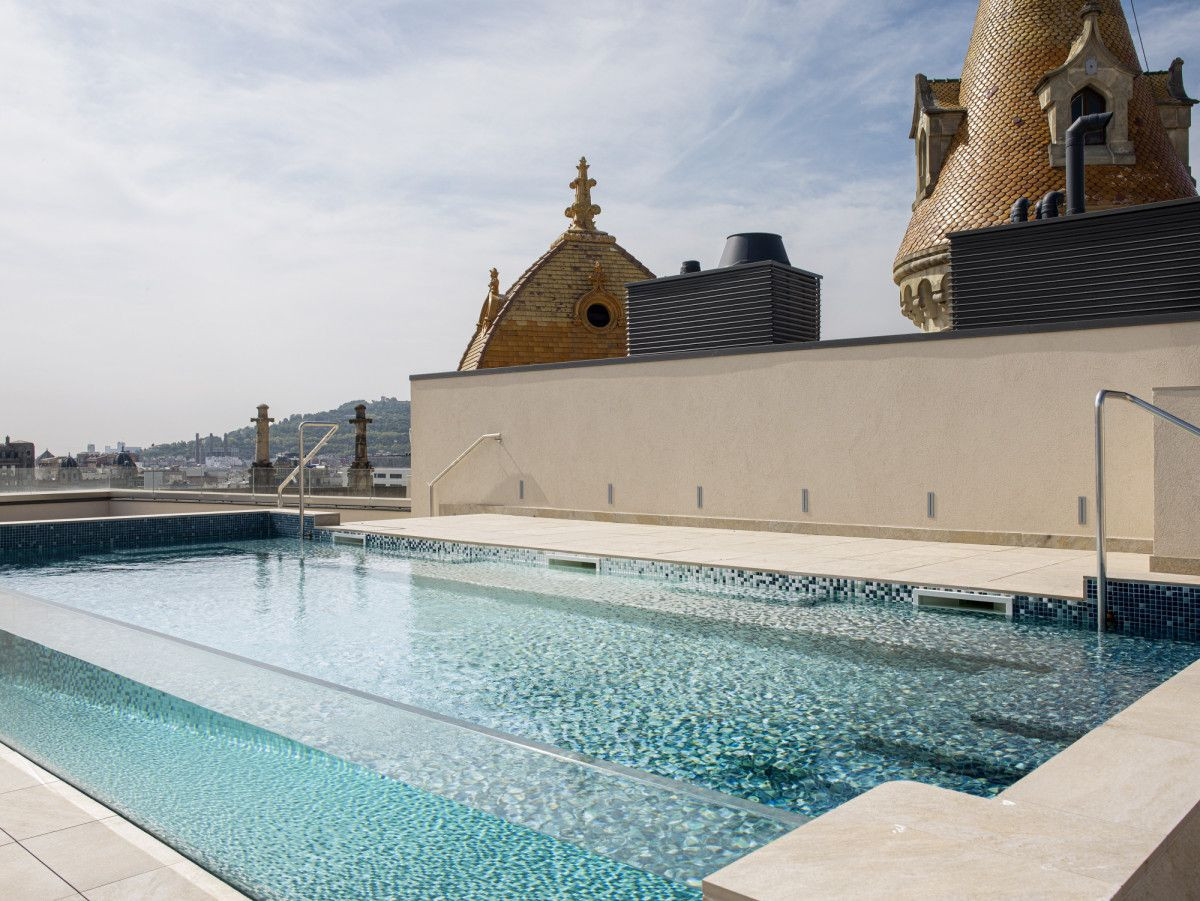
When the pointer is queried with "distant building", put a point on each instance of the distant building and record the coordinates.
(16, 461)
(569, 305)
(58, 469)
(997, 133)
(392, 478)
(154, 479)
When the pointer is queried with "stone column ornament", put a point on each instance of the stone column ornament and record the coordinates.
(262, 473)
(360, 470)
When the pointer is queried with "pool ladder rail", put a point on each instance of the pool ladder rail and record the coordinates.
(298, 472)
(1101, 567)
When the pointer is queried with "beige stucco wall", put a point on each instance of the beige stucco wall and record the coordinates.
(1000, 427)
(57, 505)
(11, 511)
(1176, 484)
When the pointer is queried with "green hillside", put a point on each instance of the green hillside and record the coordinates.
(388, 434)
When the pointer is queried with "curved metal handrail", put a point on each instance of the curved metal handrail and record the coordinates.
(298, 472)
(493, 436)
(1101, 568)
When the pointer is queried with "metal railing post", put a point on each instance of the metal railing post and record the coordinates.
(1101, 567)
(298, 472)
(493, 436)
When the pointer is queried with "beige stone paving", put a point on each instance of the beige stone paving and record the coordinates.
(1043, 571)
(56, 842)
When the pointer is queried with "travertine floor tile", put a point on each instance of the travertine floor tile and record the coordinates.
(16, 773)
(1031, 570)
(91, 855)
(163, 884)
(46, 808)
(24, 878)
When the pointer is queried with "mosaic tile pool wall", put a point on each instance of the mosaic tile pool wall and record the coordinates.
(1142, 609)
(1145, 609)
(251, 805)
(32, 541)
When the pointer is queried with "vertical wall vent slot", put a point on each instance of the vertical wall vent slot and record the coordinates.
(963, 602)
(573, 561)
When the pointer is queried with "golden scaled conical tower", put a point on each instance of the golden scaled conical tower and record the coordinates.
(998, 133)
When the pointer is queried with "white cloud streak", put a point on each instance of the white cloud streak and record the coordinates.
(198, 195)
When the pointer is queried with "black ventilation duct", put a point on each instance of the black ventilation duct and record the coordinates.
(1076, 136)
(754, 297)
(753, 247)
(1122, 262)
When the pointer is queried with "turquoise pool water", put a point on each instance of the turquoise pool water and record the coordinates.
(795, 706)
(275, 818)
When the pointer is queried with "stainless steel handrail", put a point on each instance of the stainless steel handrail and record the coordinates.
(1101, 568)
(298, 472)
(492, 436)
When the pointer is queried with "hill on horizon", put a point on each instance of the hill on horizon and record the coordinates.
(388, 434)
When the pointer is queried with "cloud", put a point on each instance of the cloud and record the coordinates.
(214, 204)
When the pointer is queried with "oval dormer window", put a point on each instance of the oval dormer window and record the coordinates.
(1084, 103)
(599, 315)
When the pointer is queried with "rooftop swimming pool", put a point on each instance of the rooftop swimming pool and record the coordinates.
(746, 710)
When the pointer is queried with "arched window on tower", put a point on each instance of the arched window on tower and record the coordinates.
(1084, 103)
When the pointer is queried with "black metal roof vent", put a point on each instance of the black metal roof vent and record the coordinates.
(754, 296)
(753, 247)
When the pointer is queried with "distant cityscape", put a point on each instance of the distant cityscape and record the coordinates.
(368, 455)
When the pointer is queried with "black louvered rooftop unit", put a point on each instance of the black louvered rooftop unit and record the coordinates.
(1131, 261)
(743, 304)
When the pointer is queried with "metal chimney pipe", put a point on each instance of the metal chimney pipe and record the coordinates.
(1075, 135)
(1047, 207)
(1020, 211)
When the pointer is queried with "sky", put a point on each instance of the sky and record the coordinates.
(211, 204)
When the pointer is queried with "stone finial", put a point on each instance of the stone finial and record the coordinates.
(583, 212)
(1091, 8)
(491, 303)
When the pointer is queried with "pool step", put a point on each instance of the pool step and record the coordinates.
(961, 763)
(1030, 728)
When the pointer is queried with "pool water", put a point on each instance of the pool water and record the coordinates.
(800, 706)
(275, 818)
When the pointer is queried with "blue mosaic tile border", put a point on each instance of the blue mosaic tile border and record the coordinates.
(22, 542)
(1150, 609)
(286, 525)
(1144, 609)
